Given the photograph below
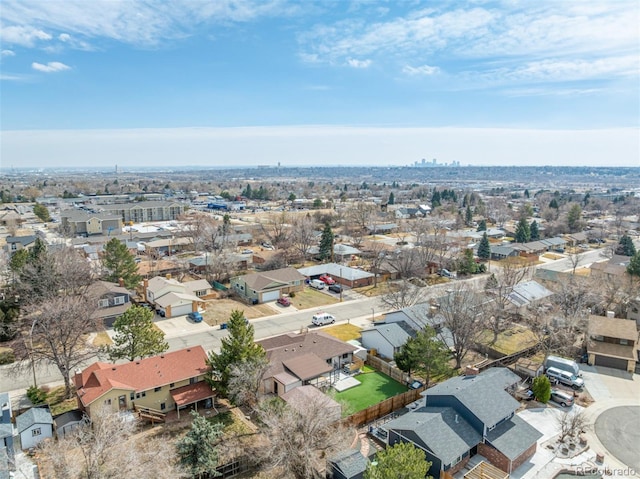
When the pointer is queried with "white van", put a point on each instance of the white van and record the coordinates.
(321, 319)
(316, 283)
(564, 377)
(563, 364)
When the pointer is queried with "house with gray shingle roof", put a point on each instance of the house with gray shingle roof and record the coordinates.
(465, 416)
(6, 428)
(34, 426)
(386, 339)
(268, 285)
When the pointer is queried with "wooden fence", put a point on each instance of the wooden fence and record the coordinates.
(385, 368)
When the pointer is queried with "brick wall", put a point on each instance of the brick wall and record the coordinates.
(495, 457)
(458, 467)
(524, 457)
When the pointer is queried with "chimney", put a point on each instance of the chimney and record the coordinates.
(611, 314)
(121, 282)
(77, 379)
(456, 419)
(471, 371)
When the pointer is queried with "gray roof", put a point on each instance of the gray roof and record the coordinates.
(336, 270)
(501, 250)
(416, 316)
(6, 430)
(440, 429)
(483, 394)
(68, 417)
(5, 401)
(35, 415)
(23, 240)
(351, 462)
(513, 437)
(393, 333)
(4, 463)
(528, 292)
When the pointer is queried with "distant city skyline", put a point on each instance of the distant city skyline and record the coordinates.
(248, 82)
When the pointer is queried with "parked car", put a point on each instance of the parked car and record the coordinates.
(247, 251)
(326, 279)
(283, 301)
(445, 273)
(561, 397)
(321, 319)
(563, 364)
(336, 288)
(195, 316)
(317, 284)
(564, 377)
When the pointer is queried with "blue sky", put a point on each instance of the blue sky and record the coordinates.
(319, 82)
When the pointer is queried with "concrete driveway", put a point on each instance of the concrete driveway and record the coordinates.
(180, 326)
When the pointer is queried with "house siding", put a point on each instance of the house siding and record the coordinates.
(374, 340)
(28, 440)
(501, 461)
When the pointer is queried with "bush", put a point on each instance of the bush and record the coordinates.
(542, 389)
(7, 356)
(36, 395)
(292, 294)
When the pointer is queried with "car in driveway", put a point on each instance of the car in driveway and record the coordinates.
(195, 316)
(326, 279)
(247, 251)
(335, 288)
(564, 377)
(564, 398)
(284, 301)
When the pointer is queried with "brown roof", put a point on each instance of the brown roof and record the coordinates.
(141, 375)
(192, 393)
(282, 349)
(609, 349)
(613, 328)
(307, 366)
(271, 279)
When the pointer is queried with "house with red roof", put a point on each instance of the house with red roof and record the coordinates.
(159, 384)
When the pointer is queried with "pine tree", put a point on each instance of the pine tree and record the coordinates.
(468, 216)
(136, 336)
(625, 246)
(392, 199)
(402, 456)
(435, 199)
(492, 283)
(554, 204)
(120, 263)
(634, 265)
(197, 450)
(542, 389)
(467, 264)
(534, 230)
(326, 243)
(573, 218)
(482, 225)
(484, 248)
(523, 234)
(237, 347)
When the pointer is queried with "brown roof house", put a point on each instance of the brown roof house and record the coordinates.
(615, 267)
(267, 286)
(153, 386)
(311, 358)
(612, 342)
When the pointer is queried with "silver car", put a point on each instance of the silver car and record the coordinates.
(563, 398)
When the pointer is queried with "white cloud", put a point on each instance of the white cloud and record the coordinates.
(8, 53)
(25, 36)
(352, 62)
(50, 67)
(424, 70)
(64, 37)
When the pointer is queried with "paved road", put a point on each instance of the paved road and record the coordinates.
(619, 431)
(585, 259)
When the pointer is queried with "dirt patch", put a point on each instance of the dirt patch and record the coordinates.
(219, 310)
(311, 298)
(102, 339)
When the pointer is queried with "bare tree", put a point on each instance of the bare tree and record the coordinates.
(402, 294)
(107, 448)
(377, 253)
(58, 333)
(431, 241)
(462, 312)
(245, 381)
(299, 437)
(571, 424)
(277, 229)
(303, 235)
(406, 262)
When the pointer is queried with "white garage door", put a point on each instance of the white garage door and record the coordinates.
(180, 310)
(270, 296)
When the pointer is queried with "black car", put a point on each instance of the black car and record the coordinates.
(336, 288)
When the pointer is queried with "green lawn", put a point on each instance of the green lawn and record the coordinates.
(374, 388)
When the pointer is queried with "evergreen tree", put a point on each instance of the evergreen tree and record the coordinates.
(136, 336)
(392, 199)
(120, 263)
(526, 193)
(426, 354)
(467, 264)
(573, 218)
(492, 283)
(468, 216)
(326, 243)
(197, 450)
(523, 234)
(41, 212)
(482, 225)
(625, 246)
(542, 389)
(435, 199)
(634, 265)
(403, 459)
(554, 204)
(237, 347)
(534, 231)
(484, 248)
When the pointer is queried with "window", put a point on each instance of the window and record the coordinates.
(107, 402)
(171, 385)
(163, 406)
(597, 337)
(36, 432)
(155, 390)
(137, 395)
(132, 396)
(624, 342)
(118, 300)
(144, 394)
(103, 303)
(193, 380)
(345, 355)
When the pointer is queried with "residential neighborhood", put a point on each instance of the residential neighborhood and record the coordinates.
(361, 323)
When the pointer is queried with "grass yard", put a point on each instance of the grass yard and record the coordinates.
(58, 404)
(219, 310)
(374, 388)
(510, 341)
(311, 298)
(103, 339)
(372, 290)
(343, 332)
